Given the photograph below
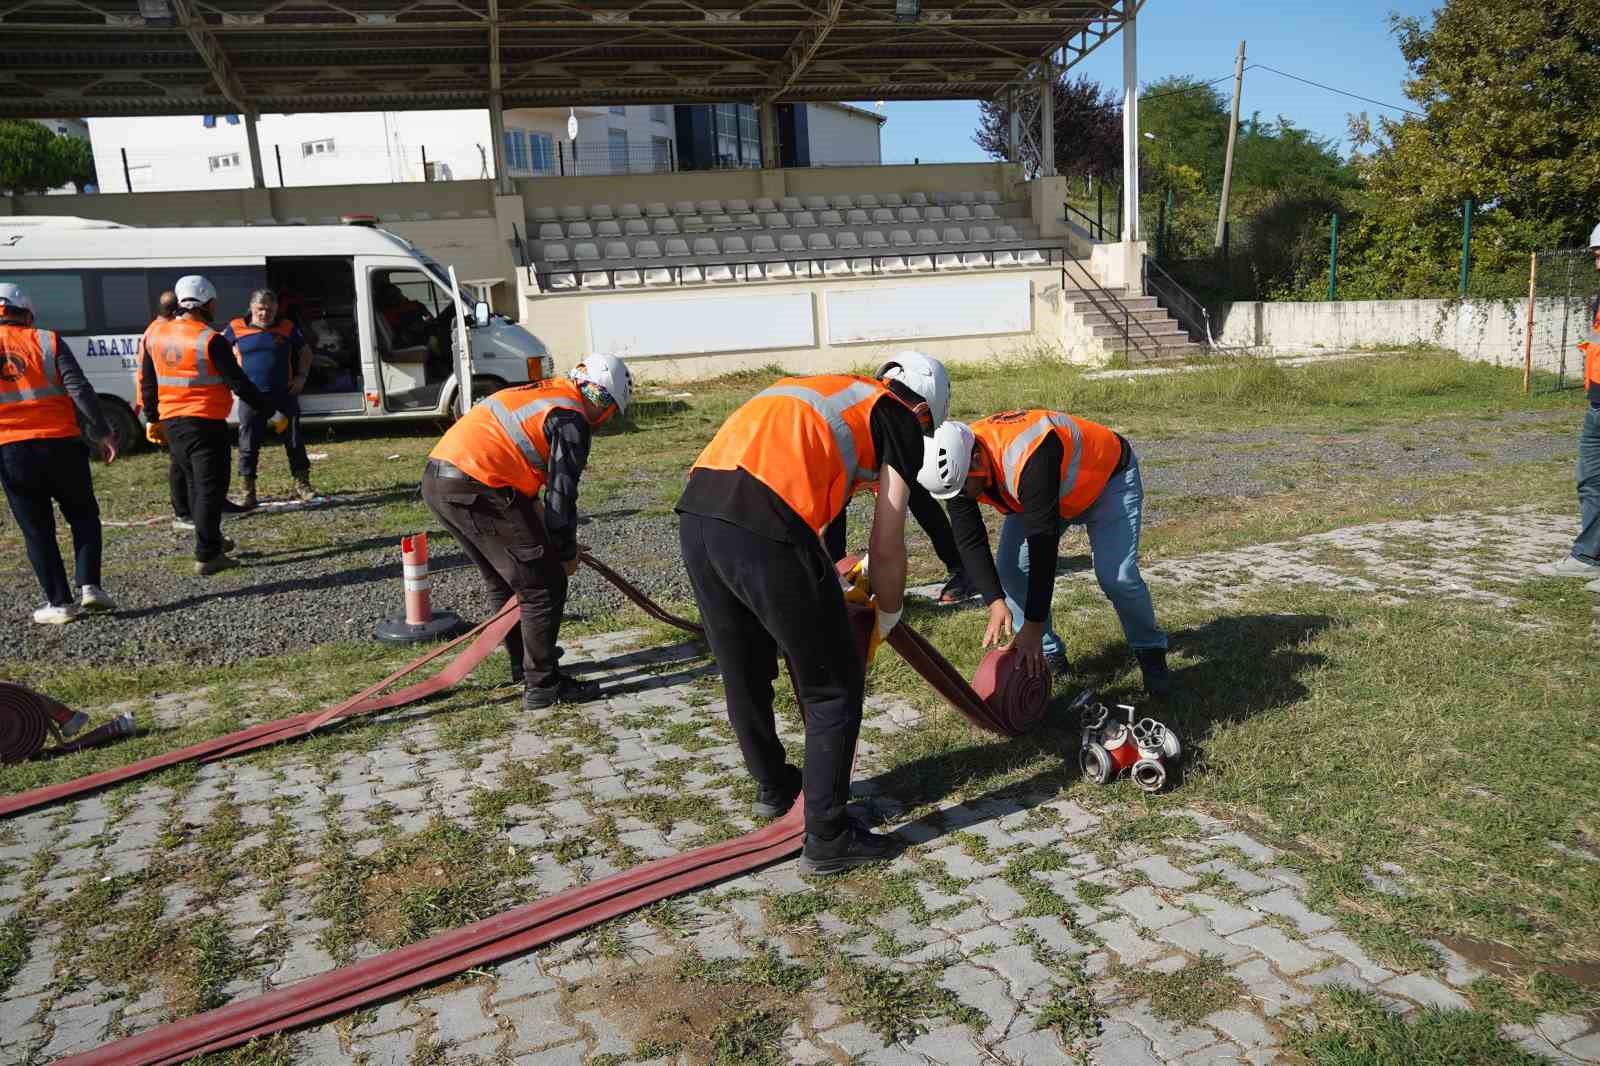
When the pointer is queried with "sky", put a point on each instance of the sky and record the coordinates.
(1345, 44)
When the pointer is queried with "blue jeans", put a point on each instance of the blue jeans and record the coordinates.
(1112, 523)
(1587, 547)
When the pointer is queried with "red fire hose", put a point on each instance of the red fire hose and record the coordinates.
(522, 928)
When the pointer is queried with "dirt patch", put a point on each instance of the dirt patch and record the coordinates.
(710, 1023)
(387, 892)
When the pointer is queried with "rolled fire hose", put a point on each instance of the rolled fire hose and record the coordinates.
(24, 722)
(511, 933)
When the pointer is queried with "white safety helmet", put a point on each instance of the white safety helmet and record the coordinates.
(13, 299)
(194, 290)
(946, 459)
(923, 375)
(1594, 238)
(610, 373)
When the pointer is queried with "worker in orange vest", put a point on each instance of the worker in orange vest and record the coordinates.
(751, 521)
(188, 378)
(1045, 471)
(483, 481)
(1584, 559)
(43, 395)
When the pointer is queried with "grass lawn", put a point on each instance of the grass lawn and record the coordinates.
(1432, 743)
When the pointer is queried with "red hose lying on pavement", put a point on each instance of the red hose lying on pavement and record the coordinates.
(504, 935)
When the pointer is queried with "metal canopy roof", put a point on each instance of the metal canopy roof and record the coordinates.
(153, 57)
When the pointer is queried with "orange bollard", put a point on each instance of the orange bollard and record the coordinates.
(419, 623)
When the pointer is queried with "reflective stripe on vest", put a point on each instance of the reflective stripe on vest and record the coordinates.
(1017, 452)
(832, 409)
(52, 373)
(512, 422)
(201, 363)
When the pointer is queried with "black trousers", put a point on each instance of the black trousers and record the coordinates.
(37, 474)
(199, 449)
(502, 532)
(758, 599)
(253, 430)
(930, 515)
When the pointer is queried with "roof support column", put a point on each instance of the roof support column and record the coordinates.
(1047, 122)
(1014, 134)
(1130, 122)
(497, 135)
(257, 180)
(767, 116)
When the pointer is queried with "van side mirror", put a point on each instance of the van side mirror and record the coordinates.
(480, 314)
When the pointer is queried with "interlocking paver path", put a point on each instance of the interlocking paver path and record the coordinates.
(1007, 909)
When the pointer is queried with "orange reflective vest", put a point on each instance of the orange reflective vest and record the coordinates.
(1089, 453)
(188, 385)
(808, 439)
(1591, 357)
(501, 442)
(33, 403)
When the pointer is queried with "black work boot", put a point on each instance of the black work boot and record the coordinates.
(1157, 678)
(1058, 664)
(774, 800)
(851, 848)
(957, 589)
(565, 690)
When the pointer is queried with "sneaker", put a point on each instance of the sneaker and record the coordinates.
(183, 525)
(1593, 586)
(94, 598)
(958, 589)
(775, 800)
(565, 690)
(121, 726)
(851, 848)
(1157, 678)
(1058, 664)
(214, 565)
(72, 726)
(1568, 567)
(303, 489)
(56, 615)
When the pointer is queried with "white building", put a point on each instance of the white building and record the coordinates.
(347, 148)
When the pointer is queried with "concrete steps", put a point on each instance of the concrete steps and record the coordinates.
(1154, 335)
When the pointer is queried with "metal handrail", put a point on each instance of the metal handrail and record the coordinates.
(1128, 319)
(522, 247)
(740, 268)
(1168, 289)
(1094, 223)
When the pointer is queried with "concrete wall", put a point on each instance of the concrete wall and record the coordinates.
(841, 136)
(562, 322)
(1489, 331)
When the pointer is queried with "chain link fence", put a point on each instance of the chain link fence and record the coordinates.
(1563, 283)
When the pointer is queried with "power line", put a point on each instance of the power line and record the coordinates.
(1331, 89)
(1189, 89)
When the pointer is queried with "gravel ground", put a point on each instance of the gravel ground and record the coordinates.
(347, 580)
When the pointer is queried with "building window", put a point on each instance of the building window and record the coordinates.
(542, 147)
(661, 153)
(619, 110)
(229, 161)
(517, 150)
(619, 151)
(316, 148)
(660, 113)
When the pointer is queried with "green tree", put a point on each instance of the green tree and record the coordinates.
(1506, 92)
(33, 158)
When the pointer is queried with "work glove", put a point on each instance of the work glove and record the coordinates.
(279, 422)
(858, 588)
(882, 626)
(154, 433)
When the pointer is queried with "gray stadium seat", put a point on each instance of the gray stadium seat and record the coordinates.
(608, 228)
(857, 217)
(1005, 258)
(572, 212)
(917, 199)
(747, 220)
(960, 213)
(628, 211)
(830, 218)
(627, 279)
(835, 267)
(919, 263)
(910, 214)
(764, 204)
(891, 264)
(719, 222)
(762, 244)
(936, 214)
(690, 275)
(705, 246)
(777, 220)
(618, 250)
(550, 231)
(874, 238)
(563, 280)
(646, 250)
(556, 253)
(804, 220)
(544, 214)
(791, 204)
(655, 210)
(819, 242)
(579, 230)
(586, 251)
(893, 199)
(636, 227)
(600, 211)
(926, 235)
(816, 203)
(866, 201)
(711, 207)
(974, 260)
(1031, 257)
(848, 242)
(948, 261)
(676, 246)
(666, 227)
(979, 235)
(901, 238)
(940, 198)
(882, 216)
(842, 202)
(984, 211)
(954, 235)
(737, 207)
(1005, 233)
(657, 276)
(966, 197)
(683, 207)
(988, 196)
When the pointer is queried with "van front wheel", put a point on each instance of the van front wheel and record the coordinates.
(481, 388)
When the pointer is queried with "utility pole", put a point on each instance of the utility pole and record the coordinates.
(1233, 136)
